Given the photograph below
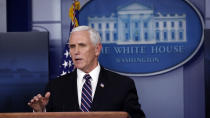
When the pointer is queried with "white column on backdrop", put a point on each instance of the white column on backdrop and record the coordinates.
(207, 14)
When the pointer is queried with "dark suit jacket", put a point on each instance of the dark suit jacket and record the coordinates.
(118, 94)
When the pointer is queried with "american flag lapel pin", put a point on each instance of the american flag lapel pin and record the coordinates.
(102, 85)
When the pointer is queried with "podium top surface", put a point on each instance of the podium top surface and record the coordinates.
(66, 115)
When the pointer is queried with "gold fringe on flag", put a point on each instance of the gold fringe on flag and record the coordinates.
(74, 7)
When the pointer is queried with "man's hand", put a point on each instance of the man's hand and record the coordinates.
(38, 103)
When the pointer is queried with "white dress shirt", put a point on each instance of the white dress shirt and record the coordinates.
(94, 80)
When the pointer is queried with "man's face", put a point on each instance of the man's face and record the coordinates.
(83, 52)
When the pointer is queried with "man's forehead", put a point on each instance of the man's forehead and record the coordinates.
(80, 32)
(79, 36)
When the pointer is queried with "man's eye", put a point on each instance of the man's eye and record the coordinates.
(82, 45)
(71, 46)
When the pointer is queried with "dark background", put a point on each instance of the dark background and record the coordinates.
(23, 68)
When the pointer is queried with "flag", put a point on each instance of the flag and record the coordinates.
(67, 65)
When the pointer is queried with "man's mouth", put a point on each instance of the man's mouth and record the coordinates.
(78, 59)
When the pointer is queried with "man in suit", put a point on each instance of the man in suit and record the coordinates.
(90, 87)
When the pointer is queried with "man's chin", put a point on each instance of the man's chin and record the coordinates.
(78, 67)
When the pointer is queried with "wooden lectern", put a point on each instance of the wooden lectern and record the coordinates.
(66, 115)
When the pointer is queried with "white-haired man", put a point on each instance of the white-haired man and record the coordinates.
(90, 87)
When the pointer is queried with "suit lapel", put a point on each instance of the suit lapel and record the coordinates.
(75, 95)
(100, 90)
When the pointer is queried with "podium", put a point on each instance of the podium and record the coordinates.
(66, 115)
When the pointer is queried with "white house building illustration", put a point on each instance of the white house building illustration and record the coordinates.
(138, 24)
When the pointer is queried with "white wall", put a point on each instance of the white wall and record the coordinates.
(3, 16)
(46, 15)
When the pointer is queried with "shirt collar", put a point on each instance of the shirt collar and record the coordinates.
(94, 73)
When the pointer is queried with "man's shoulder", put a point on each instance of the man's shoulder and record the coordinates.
(66, 77)
(116, 79)
(114, 75)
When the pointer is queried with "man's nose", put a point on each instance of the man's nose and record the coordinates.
(77, 50)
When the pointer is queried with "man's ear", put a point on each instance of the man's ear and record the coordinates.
(98, 49)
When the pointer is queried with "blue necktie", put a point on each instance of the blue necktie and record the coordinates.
(86, 99)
